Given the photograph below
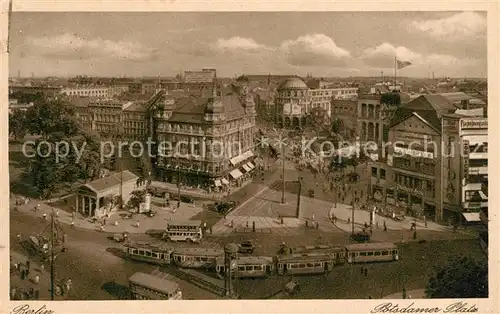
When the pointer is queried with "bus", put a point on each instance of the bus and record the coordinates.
(306, 263)
(196, 257)
(189, 231)
(247, 266)
(149, 287)
(148, 252)
(371, 252)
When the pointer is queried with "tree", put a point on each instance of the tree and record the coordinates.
(461, 277)
(17, 124)
(335, 126)
(391, 98)
(137, 197)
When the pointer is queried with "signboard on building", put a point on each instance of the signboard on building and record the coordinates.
(450, 126)
(413, 152)
(465, 162)
(473, 124)
(296, 109)
(287, 108)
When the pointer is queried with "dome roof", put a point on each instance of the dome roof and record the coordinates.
(293, 83)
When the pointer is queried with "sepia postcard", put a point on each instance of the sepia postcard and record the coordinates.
(249, 157)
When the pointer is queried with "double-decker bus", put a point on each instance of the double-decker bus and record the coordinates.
(194, 257)
(149, 287)
(305, 263)
(371, 252)
(159, 254)
(248, 266)
(189, 231)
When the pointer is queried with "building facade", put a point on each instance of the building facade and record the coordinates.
(370, 118)
(292, 103)
(86, 91)
(465, 166)
(210, 140)
(346, 112)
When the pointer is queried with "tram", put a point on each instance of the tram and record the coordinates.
(248, 267)
(188, 231)
(196, 257)
(306, 263)
(147, 252)
(337, 251)
(371, 252)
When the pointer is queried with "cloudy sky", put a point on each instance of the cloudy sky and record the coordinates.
(324, 44)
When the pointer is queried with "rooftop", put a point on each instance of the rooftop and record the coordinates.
(154, 282)
(293, 83)
(105, 183)
(199, 251)
(370, 246)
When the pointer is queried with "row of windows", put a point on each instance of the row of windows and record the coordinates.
(149, 254)
(301, 265)
(183, 258)
(373, 253)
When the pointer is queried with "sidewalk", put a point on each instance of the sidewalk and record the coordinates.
(22, 286)
(159, 221)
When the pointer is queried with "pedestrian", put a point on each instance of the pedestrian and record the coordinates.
(425, 221)
(72, 225)
(116, 223)
(385, 227)
(348, 220)
(415, 235)
(42, 267)
(104, 223)
(137, 224)
(57, 213)
(19, 237)
(210, 229)
(37, 279)
(44, 216)
(313, 217)
(28, 265)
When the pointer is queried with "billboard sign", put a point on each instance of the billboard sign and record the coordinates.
(465, 162)
(287, 108)
(296, 109)
(473, 124)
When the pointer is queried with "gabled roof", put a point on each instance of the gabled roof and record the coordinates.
(105, 183)
(456, 96)
(429, 117)
(433, 102)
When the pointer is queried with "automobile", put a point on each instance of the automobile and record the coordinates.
(120, 237)
(225, 207)
(151, 213)
(246, 247)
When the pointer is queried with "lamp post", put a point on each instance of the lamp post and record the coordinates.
(283, 172)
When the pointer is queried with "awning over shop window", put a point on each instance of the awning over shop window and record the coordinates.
(224, 181)
(483, 196)
(247, 169)
(471, 217)
(249, 164)
(236, 173)
(217, 183)
(240, 158)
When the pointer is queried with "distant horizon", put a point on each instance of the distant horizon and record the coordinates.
(326, 44)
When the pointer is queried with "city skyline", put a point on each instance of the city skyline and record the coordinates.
(331, 44)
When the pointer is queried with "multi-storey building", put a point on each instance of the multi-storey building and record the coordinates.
(86, 91)
(346, 111)
(48, 91)
(465, 164)
(370, 118)
(292, 103)
(135, 121)
(208, 141)
(412, 179)
(116, 90)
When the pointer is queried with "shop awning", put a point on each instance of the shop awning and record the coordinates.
(240, 158)
(247, 169)
(224, 181)
(483, 196)
(236, 173)
(217, 183)
(471, 217)
(249, 164)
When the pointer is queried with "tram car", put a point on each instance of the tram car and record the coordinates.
(337, 251)
(371, 252)
(196, 257)
(305, 263)
(158, 254)
(247, 267)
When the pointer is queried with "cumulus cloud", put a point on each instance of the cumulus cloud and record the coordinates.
(314, 50)
(382, 56)
(238, 43)
(457, 26)
(73, 47)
